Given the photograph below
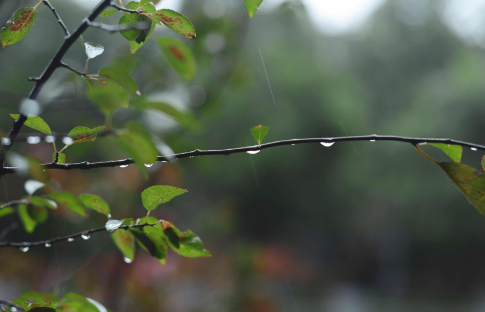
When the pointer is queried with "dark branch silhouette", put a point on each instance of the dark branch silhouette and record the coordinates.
(64, 27)
(250, 149)
(14, 202)
(49, 242)
(50, 69)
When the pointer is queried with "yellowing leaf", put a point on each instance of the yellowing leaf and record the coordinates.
(35, 122)
(175, 21)
(18, 26)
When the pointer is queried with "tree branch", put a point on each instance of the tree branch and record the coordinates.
(68, 237)
(40, 82)
(64, 27)
(252, 149)
(11, 304)
(72, 69)
(120, 8)
(14, 202)
(116, 28)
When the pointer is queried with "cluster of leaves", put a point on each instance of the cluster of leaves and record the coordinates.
(32, 301)
(469, 181)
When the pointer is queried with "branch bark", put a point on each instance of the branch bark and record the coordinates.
(251, 149)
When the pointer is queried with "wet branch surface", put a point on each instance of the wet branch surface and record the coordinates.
(249, 149)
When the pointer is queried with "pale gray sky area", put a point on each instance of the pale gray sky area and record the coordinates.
(335, 17)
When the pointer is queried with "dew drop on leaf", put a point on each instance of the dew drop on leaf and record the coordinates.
(327, 144)
(128, 260)
(253, 152)
(85, 236)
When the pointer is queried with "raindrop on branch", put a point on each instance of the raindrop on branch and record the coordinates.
(47, 245)
(86, 236)
(6, 141)
(70, 239)
(33, 139)
(128, 260)
(24, 249)
(253, 152)
(148, 165)
(474, 149)
(123, 166)
(372, 140)
(327, 144)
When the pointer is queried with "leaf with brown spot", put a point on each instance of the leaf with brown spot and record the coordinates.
(84, 134)
(175, 21)
(18, 26)
(95, 202)
(179, 56)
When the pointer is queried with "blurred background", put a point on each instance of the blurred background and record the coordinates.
(351, 228)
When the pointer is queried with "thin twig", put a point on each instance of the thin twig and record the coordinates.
(72, 69)
(14, 202)
(254, 148)
(72, 236)
(118, 28)
(50, 69)
(64, 27)
(118, 7)
(11, 304)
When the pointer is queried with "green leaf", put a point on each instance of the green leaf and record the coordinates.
(149, 220)
(18, 26)
(147, 7)
(73, 302)
(93, 49)
(125, 241)
(83, 134)
(152, 241)
(153, 196)
(27, 221)
(252, 6)
(137, 143)
(128, 221)
(107, 13)
(185, 118)
(39, 201)
(175, 21)
(136, 35)
(453, 151)
(61, 159)
(38, 213)
(6, 211)
(69, 201)
(95, 202)
(41, 306)
(179, 56)
(259, 132)
(35, 122)
(186, 244)
(121, 77)
(108, 95)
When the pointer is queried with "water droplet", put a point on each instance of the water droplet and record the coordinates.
(293, 144)
(148, 165)
(253, 152)
(474, 149)
(47, 245)
(128, 260)
(372, 140)
(6, 141)
(109, 215)
(123, 166)
(138, 93)
(33, 139)
(50, 139)
(67, 140)
(327, 144)
(86, 236)
(13, 309)
(24, 249)
(70, 239)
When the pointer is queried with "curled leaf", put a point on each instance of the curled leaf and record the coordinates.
(175, 21)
